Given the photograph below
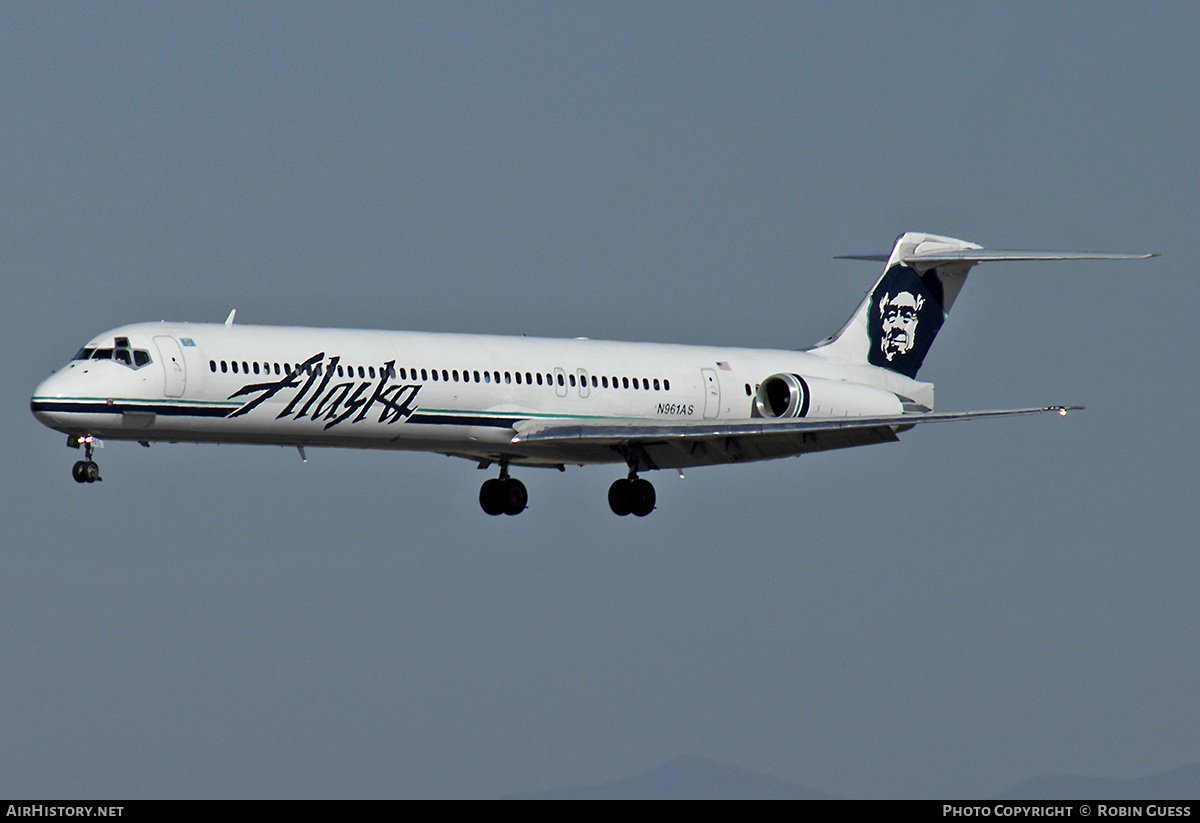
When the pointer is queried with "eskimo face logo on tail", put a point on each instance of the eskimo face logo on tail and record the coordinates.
(311, 396)
(898, 315)
(906, 314)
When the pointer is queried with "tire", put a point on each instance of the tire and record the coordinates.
(515, 496)
(642, 497)
(620, 497)
(491, 498)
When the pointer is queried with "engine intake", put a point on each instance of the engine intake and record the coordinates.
(790, 395)
(782, 395)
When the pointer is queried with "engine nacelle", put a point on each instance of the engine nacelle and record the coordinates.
(790, 395)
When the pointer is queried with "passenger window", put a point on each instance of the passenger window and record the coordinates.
(223, 369)
(666, 384)
(435, 375)
(656, 384)
(507, 377)
(212, 366)
(560, 380)
(594, 383)
(424, 376)
(604, 381)
(625, 382)
(539, 378)
(571, 379)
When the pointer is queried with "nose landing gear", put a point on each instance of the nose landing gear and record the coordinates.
(503, 494)
(86, 470)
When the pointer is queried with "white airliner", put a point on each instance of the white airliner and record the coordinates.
(523, 401)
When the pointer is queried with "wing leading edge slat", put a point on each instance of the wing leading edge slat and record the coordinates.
(710, 442)
(636, 430)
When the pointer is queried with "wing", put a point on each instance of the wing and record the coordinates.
(667, 445)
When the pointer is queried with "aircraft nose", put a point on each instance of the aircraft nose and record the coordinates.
(42, 404)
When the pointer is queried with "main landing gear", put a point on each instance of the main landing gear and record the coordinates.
(631, 495)
(507, 495)
(503, 494)
(86, 470)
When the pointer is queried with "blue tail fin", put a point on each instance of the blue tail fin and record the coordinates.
(895, 325)
(897, 322)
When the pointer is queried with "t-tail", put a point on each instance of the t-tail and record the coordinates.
(896, 323)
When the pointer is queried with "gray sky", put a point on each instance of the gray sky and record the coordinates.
(945, 616)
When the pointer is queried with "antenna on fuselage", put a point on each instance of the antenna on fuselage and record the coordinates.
(229, 319)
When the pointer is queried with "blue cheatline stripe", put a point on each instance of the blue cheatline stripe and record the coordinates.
(103, 407)
(421, 418)
(202, 409)
(194, 410)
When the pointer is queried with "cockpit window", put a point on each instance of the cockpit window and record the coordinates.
(122, 353)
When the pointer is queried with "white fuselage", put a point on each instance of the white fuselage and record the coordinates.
(531, 401)
(456, 394)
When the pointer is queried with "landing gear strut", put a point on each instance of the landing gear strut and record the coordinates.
(503, 494)
(86, 470)
(631, 495)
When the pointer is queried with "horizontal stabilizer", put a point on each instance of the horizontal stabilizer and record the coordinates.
(974, 256)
